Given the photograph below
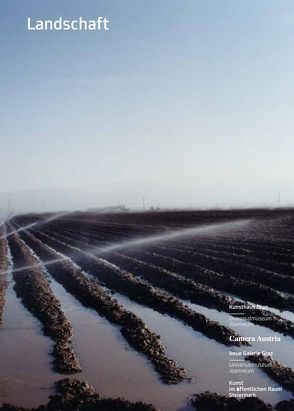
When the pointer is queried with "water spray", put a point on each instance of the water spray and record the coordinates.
(172, 235)
(32, 266)
(96, 251)
(47, 220)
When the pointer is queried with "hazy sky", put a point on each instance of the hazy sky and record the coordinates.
(187, 102)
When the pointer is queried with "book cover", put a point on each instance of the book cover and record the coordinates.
(146, 205)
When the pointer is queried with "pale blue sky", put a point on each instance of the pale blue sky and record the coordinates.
(186, 102)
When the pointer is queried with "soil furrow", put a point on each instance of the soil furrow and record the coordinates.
(278, 372)
(216, 278)
(235, 268)
(91, 295)
(34, 290)
(250, 289)
(214, 402)
(267, 263)
(271, 259)
(188, 289)
(143, 292)
(73, 395)
(245, 289)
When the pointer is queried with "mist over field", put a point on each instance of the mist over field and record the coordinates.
(202, 194)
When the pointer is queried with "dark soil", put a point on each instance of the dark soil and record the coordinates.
(75, 395)
(213, 402)
(33, 288)
(253, 261)
(186, 288)
(283, 375)
(223, 274)
(90, 294)
(143, 293)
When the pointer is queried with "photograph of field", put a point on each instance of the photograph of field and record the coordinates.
(138, 304)
(146, 205)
